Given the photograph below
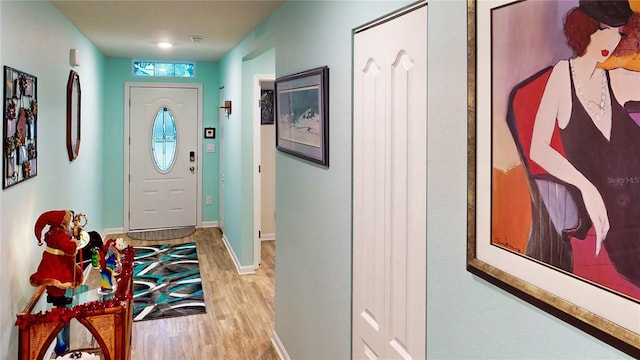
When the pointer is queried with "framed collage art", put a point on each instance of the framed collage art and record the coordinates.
(20, 160)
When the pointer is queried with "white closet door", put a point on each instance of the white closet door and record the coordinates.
(390, 187)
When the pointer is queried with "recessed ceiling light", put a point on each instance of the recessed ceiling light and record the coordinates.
(165, 44)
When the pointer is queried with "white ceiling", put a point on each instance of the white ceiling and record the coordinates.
(133, 28)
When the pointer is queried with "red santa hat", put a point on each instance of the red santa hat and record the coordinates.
(52, 218)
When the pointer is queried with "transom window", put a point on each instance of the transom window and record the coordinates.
(166, 69)
(164, 140)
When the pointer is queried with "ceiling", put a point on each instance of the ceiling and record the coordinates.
(133, 28)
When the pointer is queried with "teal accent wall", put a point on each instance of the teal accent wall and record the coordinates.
(237, 69)
(231, 79)
(313, 204)
(36, 38)
(467, 318)
(118, 71)
(262, 64)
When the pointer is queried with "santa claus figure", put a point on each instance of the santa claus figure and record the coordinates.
(58, 270)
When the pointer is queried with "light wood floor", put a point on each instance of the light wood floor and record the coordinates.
(240, 309)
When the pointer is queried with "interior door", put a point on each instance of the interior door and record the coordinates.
(389, 187)
(163, 150)
(267, 174)
(221, 117)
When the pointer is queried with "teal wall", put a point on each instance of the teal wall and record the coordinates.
(36, 38)
(261, 64)
(466, 316)
(231, 79)
(313, 204)
(237, 70)
(118, 71)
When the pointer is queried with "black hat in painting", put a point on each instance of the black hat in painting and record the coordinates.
(611, 12)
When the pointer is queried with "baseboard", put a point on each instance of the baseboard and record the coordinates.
(267, 237)
(108, 231)
(209, 224)
(279, 347)
(242, 270)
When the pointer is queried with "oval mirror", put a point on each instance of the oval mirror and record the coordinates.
(73, 115)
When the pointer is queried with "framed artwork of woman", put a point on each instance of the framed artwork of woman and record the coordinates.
(558, 147)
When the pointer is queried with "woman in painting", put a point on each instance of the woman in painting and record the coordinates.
(601, 142)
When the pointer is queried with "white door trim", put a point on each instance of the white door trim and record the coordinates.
(222, 118)
(127, 121)
(257, 180)
(402, 11)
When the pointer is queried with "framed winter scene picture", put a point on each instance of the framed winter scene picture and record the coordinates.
(302, 121)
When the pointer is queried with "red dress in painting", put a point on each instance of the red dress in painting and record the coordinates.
(613, 167)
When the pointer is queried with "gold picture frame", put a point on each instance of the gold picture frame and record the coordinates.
(556, 291)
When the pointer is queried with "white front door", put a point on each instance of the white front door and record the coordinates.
(163, 151)
(390, 187)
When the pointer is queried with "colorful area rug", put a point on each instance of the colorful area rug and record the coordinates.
(166, 282)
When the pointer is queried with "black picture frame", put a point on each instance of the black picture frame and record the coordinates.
(302, 115)
(20, 111)
(266, 107)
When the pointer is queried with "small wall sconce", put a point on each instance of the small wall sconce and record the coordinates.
(227, 107)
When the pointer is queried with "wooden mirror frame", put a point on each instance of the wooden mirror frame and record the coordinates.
(73, 115)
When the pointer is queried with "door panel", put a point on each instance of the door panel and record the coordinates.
(156, 199)
(369, 199)
(390, 180)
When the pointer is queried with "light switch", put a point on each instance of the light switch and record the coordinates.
(211, 148)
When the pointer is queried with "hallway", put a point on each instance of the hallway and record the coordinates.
(240, 309)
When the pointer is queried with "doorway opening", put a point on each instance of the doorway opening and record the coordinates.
(264, 181)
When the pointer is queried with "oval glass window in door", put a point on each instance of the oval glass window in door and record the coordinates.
(164, 137)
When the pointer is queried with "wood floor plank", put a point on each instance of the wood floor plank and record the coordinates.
(240, 309)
